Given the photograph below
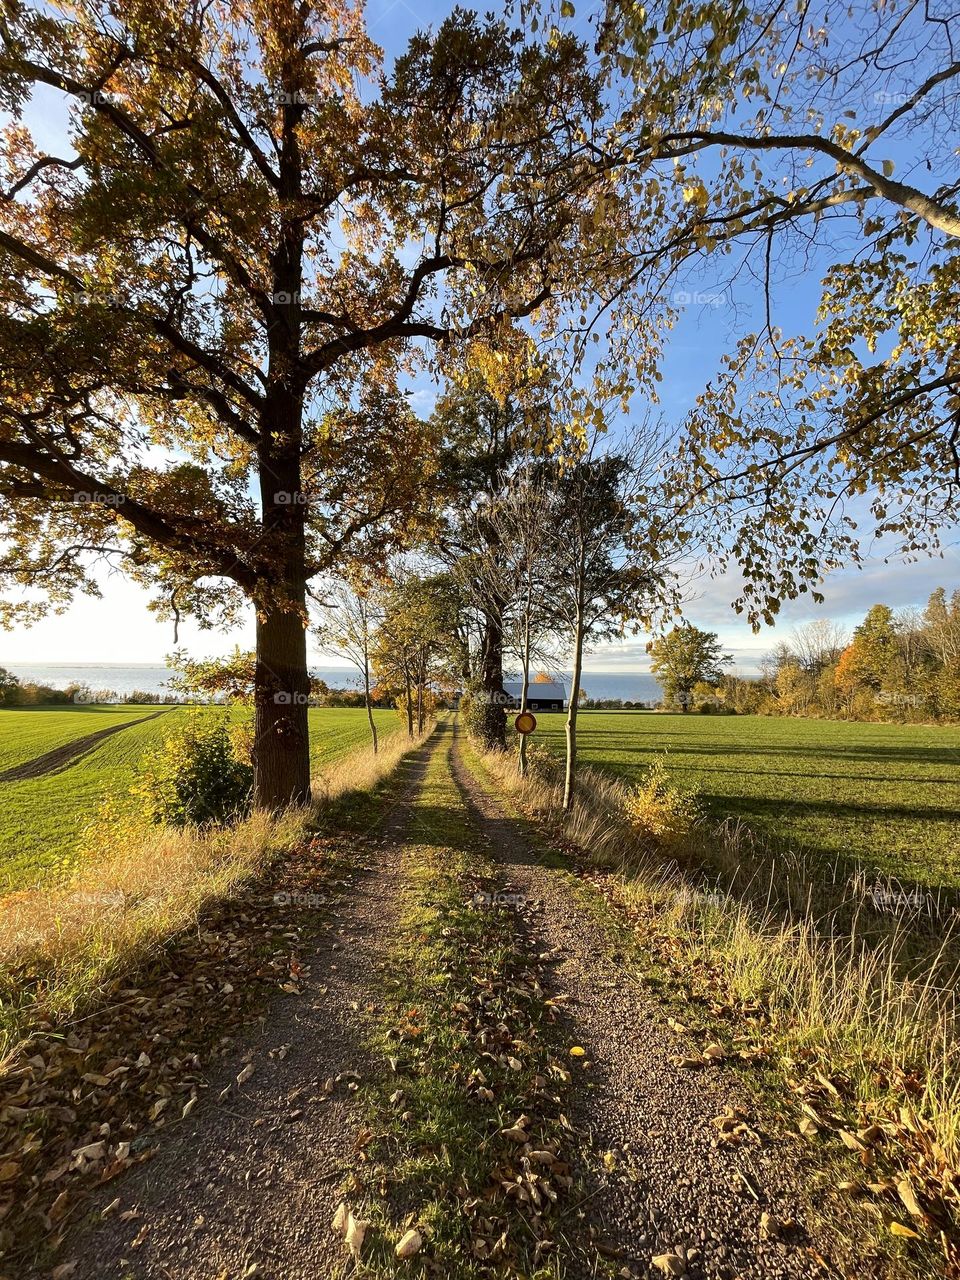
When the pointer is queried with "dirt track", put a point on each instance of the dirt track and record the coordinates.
(61, 758)
(247, 1185)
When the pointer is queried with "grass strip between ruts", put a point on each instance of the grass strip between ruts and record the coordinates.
(465, 1138)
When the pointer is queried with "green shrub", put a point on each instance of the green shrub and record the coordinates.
(660, 810)
(484, 718)
(195, 777)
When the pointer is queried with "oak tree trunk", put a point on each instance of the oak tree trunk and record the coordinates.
(493, 729)
(281, 754)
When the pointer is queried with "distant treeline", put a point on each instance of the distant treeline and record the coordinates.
(898, 665)
(17, 693)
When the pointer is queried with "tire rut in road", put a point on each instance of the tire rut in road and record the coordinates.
(670, 1190)
(249, 1186)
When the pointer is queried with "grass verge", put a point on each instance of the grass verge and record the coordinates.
(119, 1010)
(864, 1033)
(464, 1141)
(136, 886)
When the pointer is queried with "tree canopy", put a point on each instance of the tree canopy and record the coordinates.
(211, 299)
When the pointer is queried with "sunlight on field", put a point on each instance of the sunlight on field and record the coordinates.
(886, 794)
(41, 816)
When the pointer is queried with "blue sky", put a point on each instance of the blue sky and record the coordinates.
(119, 628)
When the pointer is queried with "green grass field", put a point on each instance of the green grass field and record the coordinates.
(42, 817)
(881, 794)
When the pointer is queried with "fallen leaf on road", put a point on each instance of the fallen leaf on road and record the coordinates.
(515, 1134)
(356, 1230)
(352, 1229)
(851, 1140)
(769, 1227)
(246, 1073)
(671, 1264)
(898, 1229)
(909, 1197)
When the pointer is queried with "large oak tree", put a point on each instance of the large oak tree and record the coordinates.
(214, 289)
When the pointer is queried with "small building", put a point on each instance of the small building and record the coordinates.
(540, 696)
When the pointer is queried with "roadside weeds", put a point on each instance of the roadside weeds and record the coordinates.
(61, 947)
(869, 1057)
(120, 1029)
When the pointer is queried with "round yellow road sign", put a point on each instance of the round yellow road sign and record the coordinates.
(525, 722)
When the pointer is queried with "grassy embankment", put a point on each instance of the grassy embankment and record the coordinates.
(783, 955)
(64, 940)
(42, 818)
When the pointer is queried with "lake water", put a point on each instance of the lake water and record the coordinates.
(635, 686)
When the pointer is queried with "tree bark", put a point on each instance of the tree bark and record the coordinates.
(570, 773)
(366, 700)
(281, 755)
(491, 683)
(524, 690)
(409, 692)
(421, 678)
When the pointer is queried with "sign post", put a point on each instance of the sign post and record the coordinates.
(525, 722)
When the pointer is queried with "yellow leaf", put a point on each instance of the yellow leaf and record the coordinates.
(898, 1229)
(578, 1052)
(909, 1197)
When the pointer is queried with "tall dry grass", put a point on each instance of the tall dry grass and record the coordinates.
(870, 996)
(361, 770)
(137, 885)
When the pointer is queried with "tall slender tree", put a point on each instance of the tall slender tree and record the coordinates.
(347, 621)
(613, 563)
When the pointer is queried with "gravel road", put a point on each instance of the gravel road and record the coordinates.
(668, 1190)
